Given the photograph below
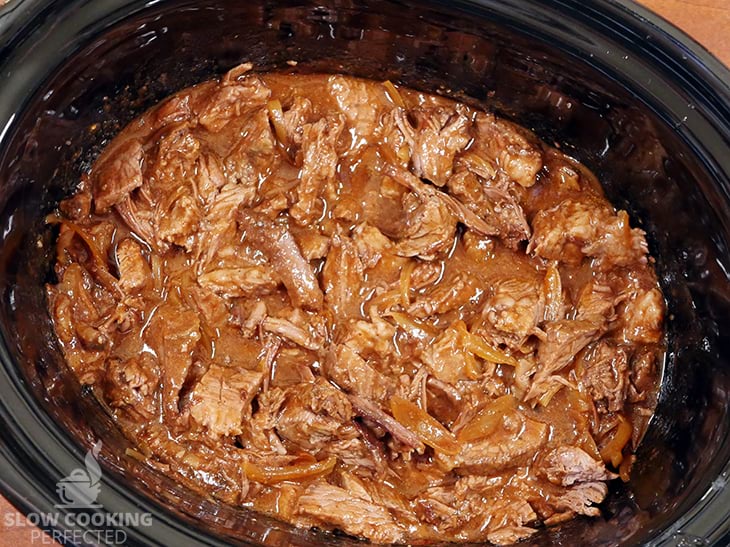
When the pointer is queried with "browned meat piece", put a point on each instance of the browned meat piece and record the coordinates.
(314, 415)
(430, 229)
(568, 465)
(232, 98)
(515, 442)
(312, 244)
(140, 220)
(574, 229)
(512, 311)
(332, 505)
(78, 206)
(353, 374)
(371, 244)
(295, 118)
(304, 337)
(370, 339)
(222, 397)
(642, 376)
(209, 179)
(359, 103)
(449, 294)
(508, 522)
(277, 243)
(605, 376)
(252, 157)
(132, 385)
(180, 224)
(342, 277)
(119, 173)
(319, 164)
(439, 135)
(504, 146)
(371, 411)
(134, 271)
(446, 358)
(494, 203)
(249, 281)
(173, 333)
(258, 433)
(580, 499)
(642, 316)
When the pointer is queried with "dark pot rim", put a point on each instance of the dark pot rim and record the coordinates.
(33, 448)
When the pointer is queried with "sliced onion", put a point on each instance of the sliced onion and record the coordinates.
(273, 475)
(425, 426)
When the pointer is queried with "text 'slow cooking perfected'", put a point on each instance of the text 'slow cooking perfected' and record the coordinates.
(360, 307)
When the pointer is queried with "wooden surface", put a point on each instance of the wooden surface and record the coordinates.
(708, 21)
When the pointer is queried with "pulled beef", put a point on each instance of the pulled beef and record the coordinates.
(358, 307)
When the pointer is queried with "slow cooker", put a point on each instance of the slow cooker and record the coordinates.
(608, 82)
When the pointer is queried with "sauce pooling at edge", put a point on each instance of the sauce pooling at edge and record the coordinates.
(360, 307)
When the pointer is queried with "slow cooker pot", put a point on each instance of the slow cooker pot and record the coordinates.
(641, 104)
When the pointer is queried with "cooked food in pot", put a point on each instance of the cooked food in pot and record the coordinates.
(360, 307)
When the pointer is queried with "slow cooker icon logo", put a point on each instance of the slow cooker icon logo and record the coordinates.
(81, 487)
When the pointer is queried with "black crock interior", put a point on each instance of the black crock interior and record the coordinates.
(605, 85)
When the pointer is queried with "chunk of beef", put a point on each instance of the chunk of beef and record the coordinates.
(439, 135)
(448, 295)
(140, 218)
(173, 334)
(581, 498)
(642, 376)
(512, 311)
(314, 415)
(574, 229)
(319, 165)
(294, 120)
(232, 98)
(333, 506)
(505, 146)
(119, 172)
(249, 281)
(430, 229)
(360, 103)
(252, 156)
(222, 397)
(282, 252)
(302, 336)
(605, 376)
(370, 338)
(132, 385)
(446, 358)
(134, 271)
(352, 373)
(494, 203)
(515, 442)
(642, 316)
(371, 244)
(342, 277)
(180, 223)
(568, 465)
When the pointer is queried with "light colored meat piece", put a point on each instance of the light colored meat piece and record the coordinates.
(512, 311)
(568, 465)
(371, 244)
(219, 222)
(447, 295)
(359, 103)
(173, 333)
(232, 98)
(314, 415)
(282, 252)
(494, 203)
(134, 271)
(581, 498)
(253, 155)
(312, 244)
(119, 173)
(221, 397)
(440, 134)
(430, 228)
(505, 146)
(642, 316)
(516, 442)
(574, 229)
(606, 376)
(140, 220)
(334, 506)
(295, 118)
(237, 282)
(319, 165)
(446, 358)
(179, 225)
(209, 178)
(370, 338)
(352, 373)
(507, 525)
(342, 278)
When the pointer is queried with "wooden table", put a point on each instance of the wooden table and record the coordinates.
(708, 21)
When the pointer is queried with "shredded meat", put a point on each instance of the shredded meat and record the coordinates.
(361, 308)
